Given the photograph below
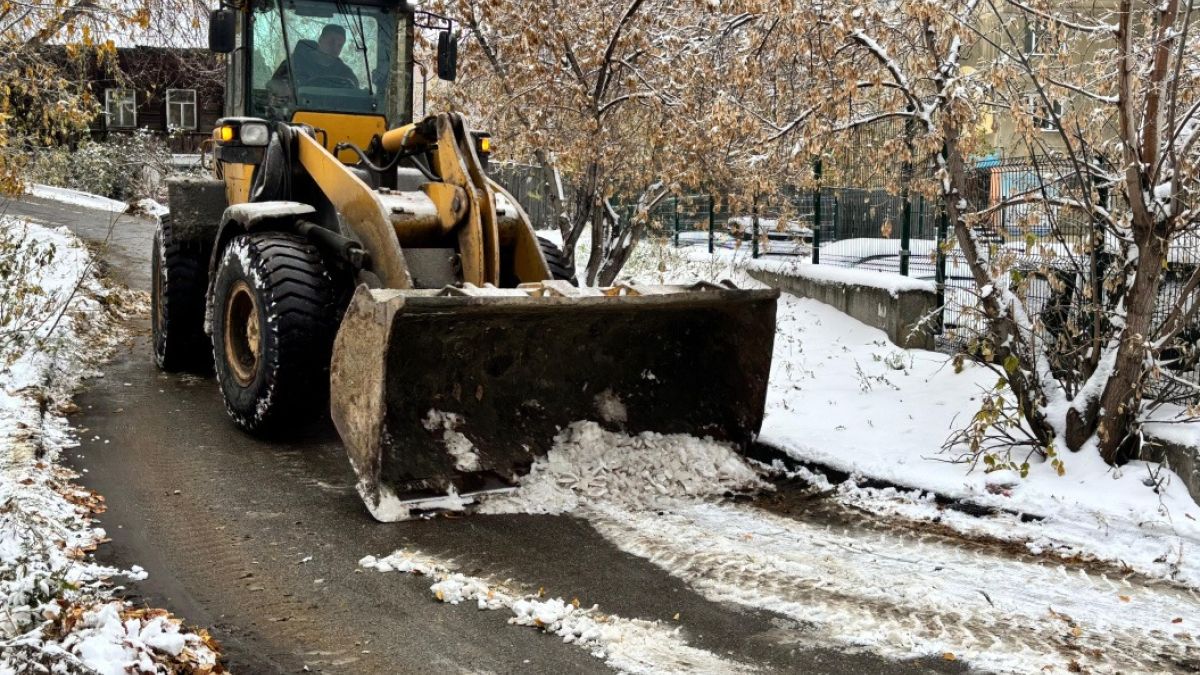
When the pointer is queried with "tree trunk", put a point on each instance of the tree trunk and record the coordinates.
(600, 230)
(1119, 407)
(1006, 335)
(584, 199)
(617, 257)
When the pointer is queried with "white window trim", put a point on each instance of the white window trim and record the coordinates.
(111, 99)
(194, 103)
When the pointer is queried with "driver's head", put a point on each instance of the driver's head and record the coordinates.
(333, 38)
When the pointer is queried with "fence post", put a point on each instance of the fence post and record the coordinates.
(837, 214)
(754, 230)
(816, 229)
(711, 222)
(676, 216)
(905, 232)
(943, 233)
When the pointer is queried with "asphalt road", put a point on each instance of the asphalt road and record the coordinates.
(259, 541)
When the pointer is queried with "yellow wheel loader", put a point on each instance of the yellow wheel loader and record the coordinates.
(344, 255)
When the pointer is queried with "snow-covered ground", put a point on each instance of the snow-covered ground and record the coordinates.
(77, 198)
(842, 396)
(57, 608)
(1095, 569)
(846, 578)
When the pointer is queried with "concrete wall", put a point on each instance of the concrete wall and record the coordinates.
(895, 312)
(1181, 459)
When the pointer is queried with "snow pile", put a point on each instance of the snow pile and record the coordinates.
(151, 208)
(59, 322)
(403, 561)
(844, 397)
(589, 464)
(628, 645)
(113, 639)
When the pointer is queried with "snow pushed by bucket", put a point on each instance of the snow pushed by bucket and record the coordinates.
(648, 471)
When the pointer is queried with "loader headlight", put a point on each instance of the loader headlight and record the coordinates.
(483, 143)
(255, 133)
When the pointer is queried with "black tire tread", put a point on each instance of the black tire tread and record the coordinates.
(179, 342)
(299, 300)
(560, 269)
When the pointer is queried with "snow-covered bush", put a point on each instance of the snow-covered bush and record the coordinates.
(24, 306)
(127, 167)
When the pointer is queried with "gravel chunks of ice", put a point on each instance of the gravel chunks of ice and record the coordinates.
(589, 464)
(114, 641)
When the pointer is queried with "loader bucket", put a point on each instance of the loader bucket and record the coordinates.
(439, 395)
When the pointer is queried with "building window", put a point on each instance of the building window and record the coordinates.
(1040, 40)
(1042, 117)
(1032, 33)
(120, 108)
(181, 109)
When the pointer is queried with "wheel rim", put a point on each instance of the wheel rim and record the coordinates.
(243, 339)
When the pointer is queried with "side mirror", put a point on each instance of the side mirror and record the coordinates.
(222, 30)
(447, 56)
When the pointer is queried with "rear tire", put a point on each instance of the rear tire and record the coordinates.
(560, 269)
(274, 316)
(179, 280)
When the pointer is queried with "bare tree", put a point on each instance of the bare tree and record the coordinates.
(617, 96)
(1104, 104)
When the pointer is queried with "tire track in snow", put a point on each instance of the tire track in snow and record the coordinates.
(906, 596)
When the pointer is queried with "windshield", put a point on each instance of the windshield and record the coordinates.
(323, 56)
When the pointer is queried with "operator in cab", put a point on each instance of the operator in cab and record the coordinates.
(320, 62)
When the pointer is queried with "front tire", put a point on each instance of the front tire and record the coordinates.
(179, 281)
(560, 269)
(273, 322)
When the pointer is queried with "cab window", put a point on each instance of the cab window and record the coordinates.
(321, 56)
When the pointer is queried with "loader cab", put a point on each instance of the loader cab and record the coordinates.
(343, 67)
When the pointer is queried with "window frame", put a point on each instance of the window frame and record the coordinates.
(113, 99)
(1039, 112)
(1033, 33)
(182, 105)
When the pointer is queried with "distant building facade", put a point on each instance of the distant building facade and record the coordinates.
(175, 93)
